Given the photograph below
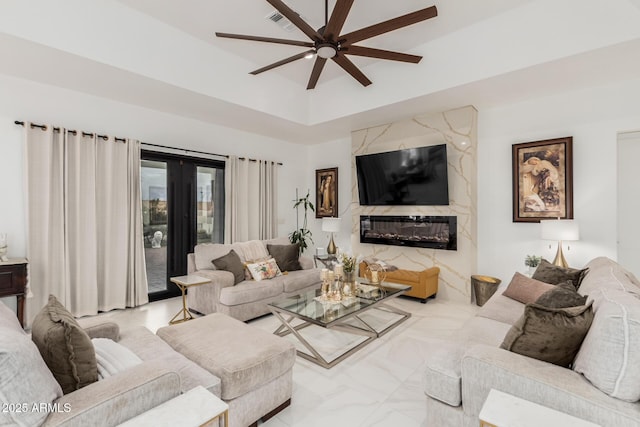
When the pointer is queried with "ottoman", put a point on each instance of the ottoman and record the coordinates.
(254, 366)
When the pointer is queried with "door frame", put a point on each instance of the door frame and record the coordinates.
(181, 221)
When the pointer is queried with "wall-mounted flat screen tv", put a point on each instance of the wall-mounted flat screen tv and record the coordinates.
(413, 176)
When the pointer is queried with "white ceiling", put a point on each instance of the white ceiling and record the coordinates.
(163, 54)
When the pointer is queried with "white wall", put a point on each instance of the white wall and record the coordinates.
(38, 103)
(329, 155)
(593, 117)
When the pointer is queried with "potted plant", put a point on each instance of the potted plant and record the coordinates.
(532, 262)
(301, 235)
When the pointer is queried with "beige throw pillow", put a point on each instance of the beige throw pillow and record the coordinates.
(525, 290)
(65, 347)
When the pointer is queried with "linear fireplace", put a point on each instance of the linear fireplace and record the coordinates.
(437, 232)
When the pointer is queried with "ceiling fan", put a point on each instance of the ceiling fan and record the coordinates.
(328, 43)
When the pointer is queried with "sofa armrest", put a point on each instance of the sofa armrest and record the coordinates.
(115, 399)
(485, 367)
(205, 298)
(306, 262)
(96, 327)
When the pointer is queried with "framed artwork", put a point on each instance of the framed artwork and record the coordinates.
(543, 180)
(327, 192)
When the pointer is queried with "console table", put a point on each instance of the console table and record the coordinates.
(13, 282)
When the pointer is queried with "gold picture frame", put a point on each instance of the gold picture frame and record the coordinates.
(543, 180)
(327, 192)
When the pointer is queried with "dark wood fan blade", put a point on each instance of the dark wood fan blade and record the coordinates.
(282, 62)
(390, 25)
(381, 54)
(336, 22)
(350, 68)
(265, 39)
(315, 73)
(295, 19)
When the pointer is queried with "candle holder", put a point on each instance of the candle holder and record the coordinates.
(375, 274)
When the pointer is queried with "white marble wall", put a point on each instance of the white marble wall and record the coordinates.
(458, 128)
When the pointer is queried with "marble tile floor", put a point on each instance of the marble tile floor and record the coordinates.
(380, 385)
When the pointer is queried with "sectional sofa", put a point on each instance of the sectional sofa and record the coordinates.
(602, 385)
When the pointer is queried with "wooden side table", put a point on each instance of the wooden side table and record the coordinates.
(13, 282)
(185, 282)
(504, 410)
(197, 407)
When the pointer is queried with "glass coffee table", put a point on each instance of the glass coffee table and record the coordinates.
(301, 311)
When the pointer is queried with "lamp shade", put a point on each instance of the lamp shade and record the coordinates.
(330, 224)
(559, 229)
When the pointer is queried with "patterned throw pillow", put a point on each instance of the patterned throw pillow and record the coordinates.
(264, 270)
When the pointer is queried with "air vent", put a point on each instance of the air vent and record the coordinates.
(280, 19)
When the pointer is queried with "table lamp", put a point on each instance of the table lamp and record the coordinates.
(559, 229)
(331, 225)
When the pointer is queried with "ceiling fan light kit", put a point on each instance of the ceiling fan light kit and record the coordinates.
(328, 43)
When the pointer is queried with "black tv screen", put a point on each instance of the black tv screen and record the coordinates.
(413, 176)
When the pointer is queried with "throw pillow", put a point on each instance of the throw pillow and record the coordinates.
(65, 347)
(554, 274)
(525, 290)
(24, 379)
(610, 355)
(561, 296)
(286, 256)
(264, 270)
(231, 262)
(553, 335)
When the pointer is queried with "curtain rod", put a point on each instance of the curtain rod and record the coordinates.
(105, 137)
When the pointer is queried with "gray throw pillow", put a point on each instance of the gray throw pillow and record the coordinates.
(553, 335)
(561, 296)
(65, 347)
(286, 256)
(554, 274)
(231, 262)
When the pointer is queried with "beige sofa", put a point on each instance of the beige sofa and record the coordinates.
(461, 371)
(248, 299)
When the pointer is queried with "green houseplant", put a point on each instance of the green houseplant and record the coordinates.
(301, 235)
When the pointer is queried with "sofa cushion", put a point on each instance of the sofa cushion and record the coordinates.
(605, 273)
(286, 256)
(554, 274)
(264, 270)
(24, 377)
(610, 354)
(561, 296)
(65, 347)
(231, 262)
(501, 308)
(204, 253)
(550, 334)
(297, 280)
(525, 290)
(251, 291)
(251, 250)
(242, 356)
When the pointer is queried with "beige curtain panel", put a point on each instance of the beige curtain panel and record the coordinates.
(84, 222)
(250, 200)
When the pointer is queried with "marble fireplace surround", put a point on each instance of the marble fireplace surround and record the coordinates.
(458, 129)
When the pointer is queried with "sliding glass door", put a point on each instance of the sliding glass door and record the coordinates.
(182, 205)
